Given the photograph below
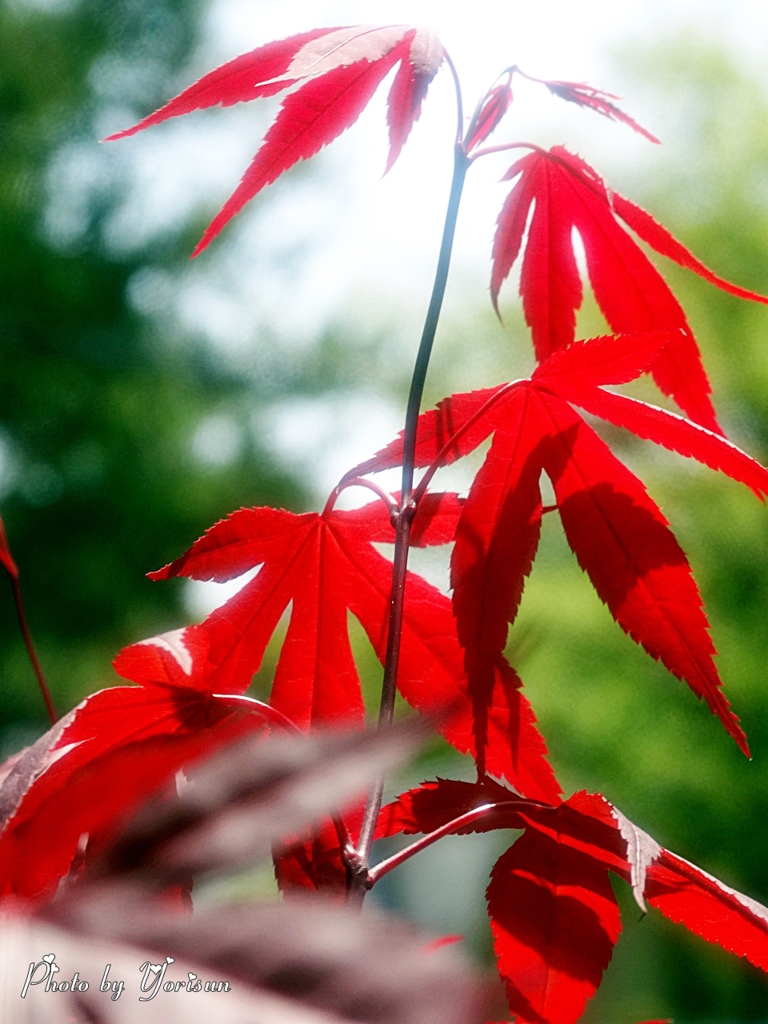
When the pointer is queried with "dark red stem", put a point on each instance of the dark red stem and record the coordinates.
(359, 481)
(258, 707)
(476, 814)
(488, 150)
(8, 563)
(37, 669)
(385, 866)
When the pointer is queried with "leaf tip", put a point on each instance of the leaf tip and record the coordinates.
(203, 243)
(115, 136)
(159, 574)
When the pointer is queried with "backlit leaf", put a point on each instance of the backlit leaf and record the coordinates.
(341, 69)
(638, 569)
(566, 195)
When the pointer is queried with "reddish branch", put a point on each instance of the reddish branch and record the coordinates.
(13, 575)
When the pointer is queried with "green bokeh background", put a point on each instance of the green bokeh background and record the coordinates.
(99, 483)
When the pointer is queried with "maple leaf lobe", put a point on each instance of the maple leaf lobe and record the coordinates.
(340, 69)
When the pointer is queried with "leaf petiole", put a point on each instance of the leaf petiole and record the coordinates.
(359, 481)
(476, 814)
(425, 481)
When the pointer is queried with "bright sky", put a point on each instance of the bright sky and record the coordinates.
(561, 38)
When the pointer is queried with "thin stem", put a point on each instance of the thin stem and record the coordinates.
(260, 708)
(36, 667)
(404, 517)
(438, 461)
(460, 167)
(358, 481)
(388, 689)
(459, 98)
(8, 563)
(487, 150)
(385, 866)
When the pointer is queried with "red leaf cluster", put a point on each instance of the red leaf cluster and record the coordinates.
(617, 532)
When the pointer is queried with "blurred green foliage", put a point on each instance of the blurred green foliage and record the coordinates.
(98, 408)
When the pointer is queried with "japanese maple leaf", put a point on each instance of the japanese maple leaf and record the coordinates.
(618, 534)
(566, 195)
(341, 69)
(77, 782)
(324, 566)
(553, 913)
(597, 100)
(490, 112)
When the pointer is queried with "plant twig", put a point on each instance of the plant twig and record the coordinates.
(505, 148)
(458, 434)
(407, 508)
(258, 707)
(385, 866)
(6, 558)
(359, 481)
(450, 827)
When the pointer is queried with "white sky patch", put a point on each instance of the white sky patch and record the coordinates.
(201, 598)
(550, 39)
(323, 438)
(217, 441)
(433, 564)
(177, 168)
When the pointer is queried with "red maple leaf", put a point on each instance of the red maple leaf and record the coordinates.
(79, 780)
(553, 914)
(600, 102)
(567, 194)
(325, 565)
(492, 109)
(341, 68)
(617, 532)
(555, 922)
